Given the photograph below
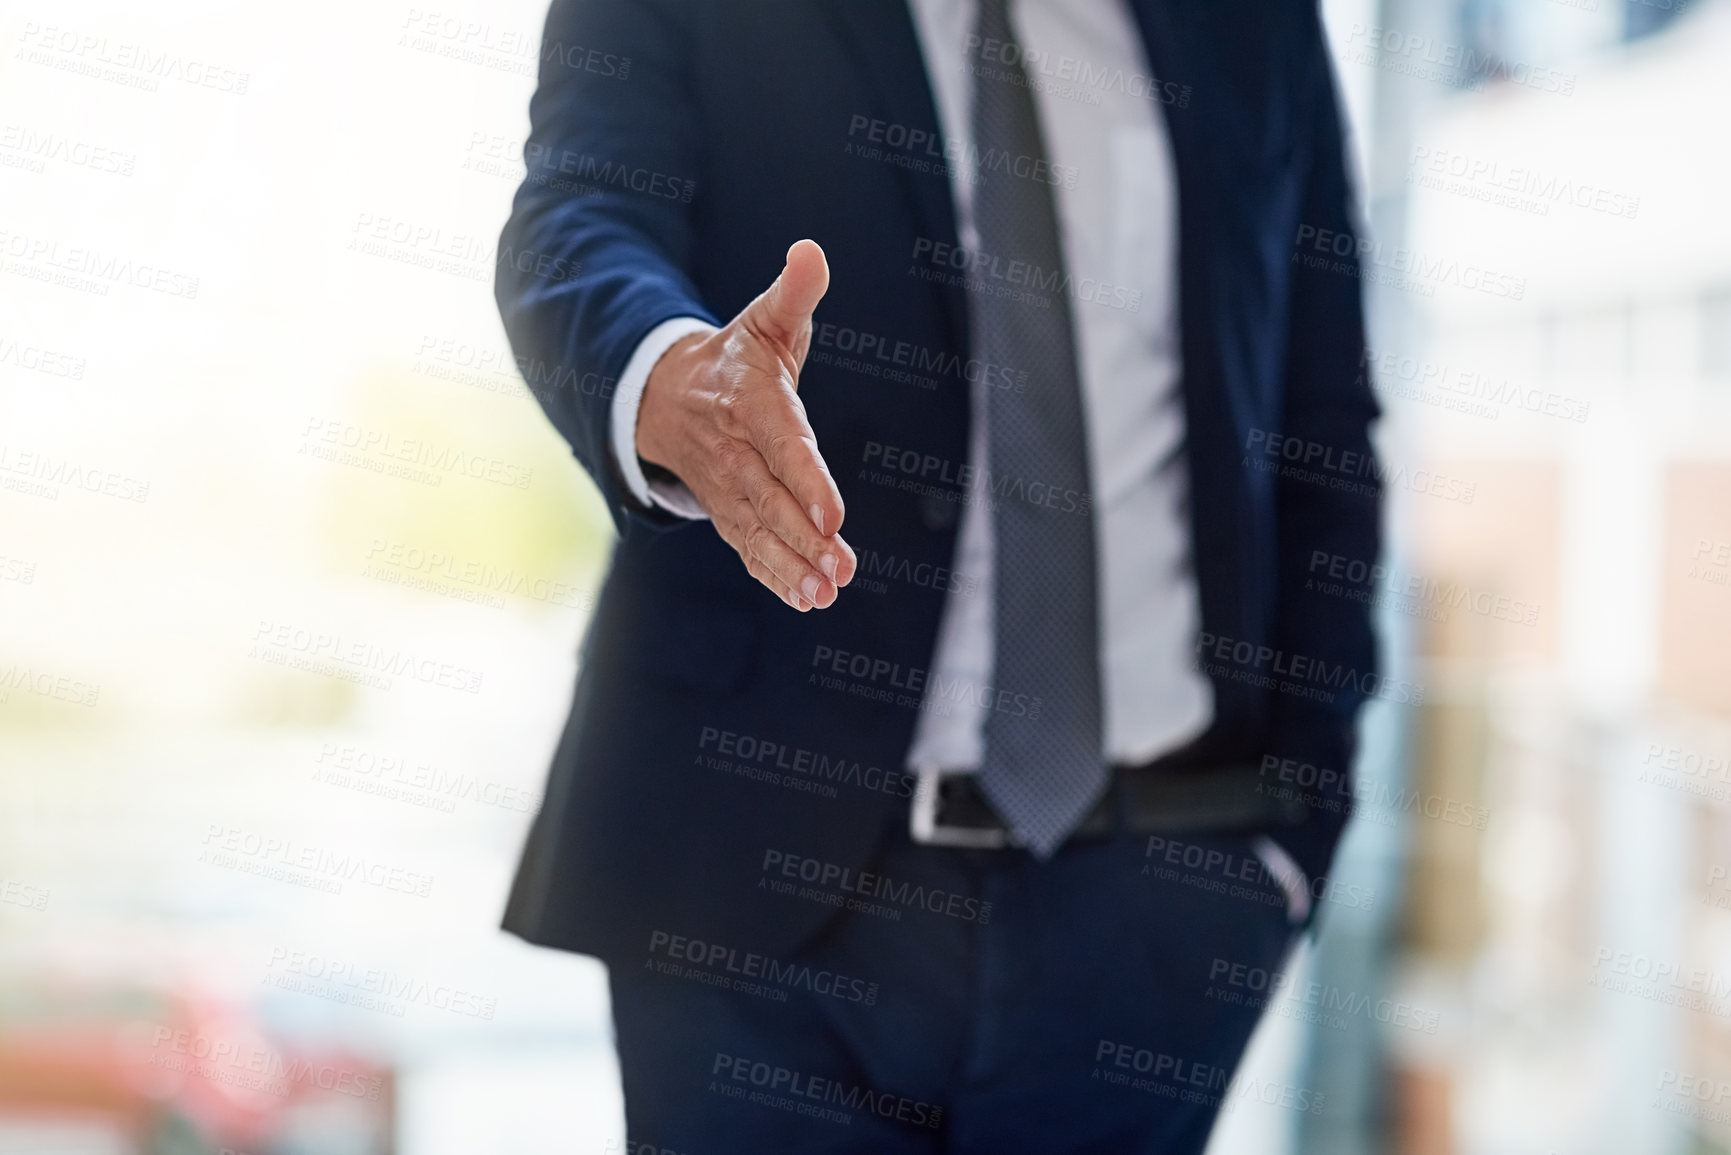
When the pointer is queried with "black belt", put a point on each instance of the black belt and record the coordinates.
(951, 810)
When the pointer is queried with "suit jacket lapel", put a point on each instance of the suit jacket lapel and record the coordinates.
(1176, 34)
(1163, 40)
(1214, 405)
(882, 41)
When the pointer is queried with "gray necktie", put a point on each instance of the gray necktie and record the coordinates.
(1043, 770)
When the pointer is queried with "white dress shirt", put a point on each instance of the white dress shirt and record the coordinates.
(1118, 223)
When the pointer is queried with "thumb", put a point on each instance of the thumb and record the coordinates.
(782, 314)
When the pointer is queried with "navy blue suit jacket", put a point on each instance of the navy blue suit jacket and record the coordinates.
(678, 147)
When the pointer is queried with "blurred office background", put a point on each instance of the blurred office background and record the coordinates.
(276, 704)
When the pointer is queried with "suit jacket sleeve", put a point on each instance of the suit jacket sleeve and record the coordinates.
(598, 248)
(1328, 402)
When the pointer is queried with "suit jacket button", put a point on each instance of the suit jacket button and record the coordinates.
(939, 513)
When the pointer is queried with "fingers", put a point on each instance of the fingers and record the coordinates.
(779, 432)
(769, 560)
(828, 557)
(774, 584)
(782, 313)
(789, 571)
(765, 524)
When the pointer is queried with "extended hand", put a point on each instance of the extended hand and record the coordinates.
(722, 412)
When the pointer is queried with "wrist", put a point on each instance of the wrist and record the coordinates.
(670, 371)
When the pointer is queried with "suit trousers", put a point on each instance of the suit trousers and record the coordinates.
(964, 1001)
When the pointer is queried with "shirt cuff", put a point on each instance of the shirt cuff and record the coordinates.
(672, 496)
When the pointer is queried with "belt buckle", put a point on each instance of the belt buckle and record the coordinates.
(923, 825)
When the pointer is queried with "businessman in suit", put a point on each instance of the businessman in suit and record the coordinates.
(943, 364)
